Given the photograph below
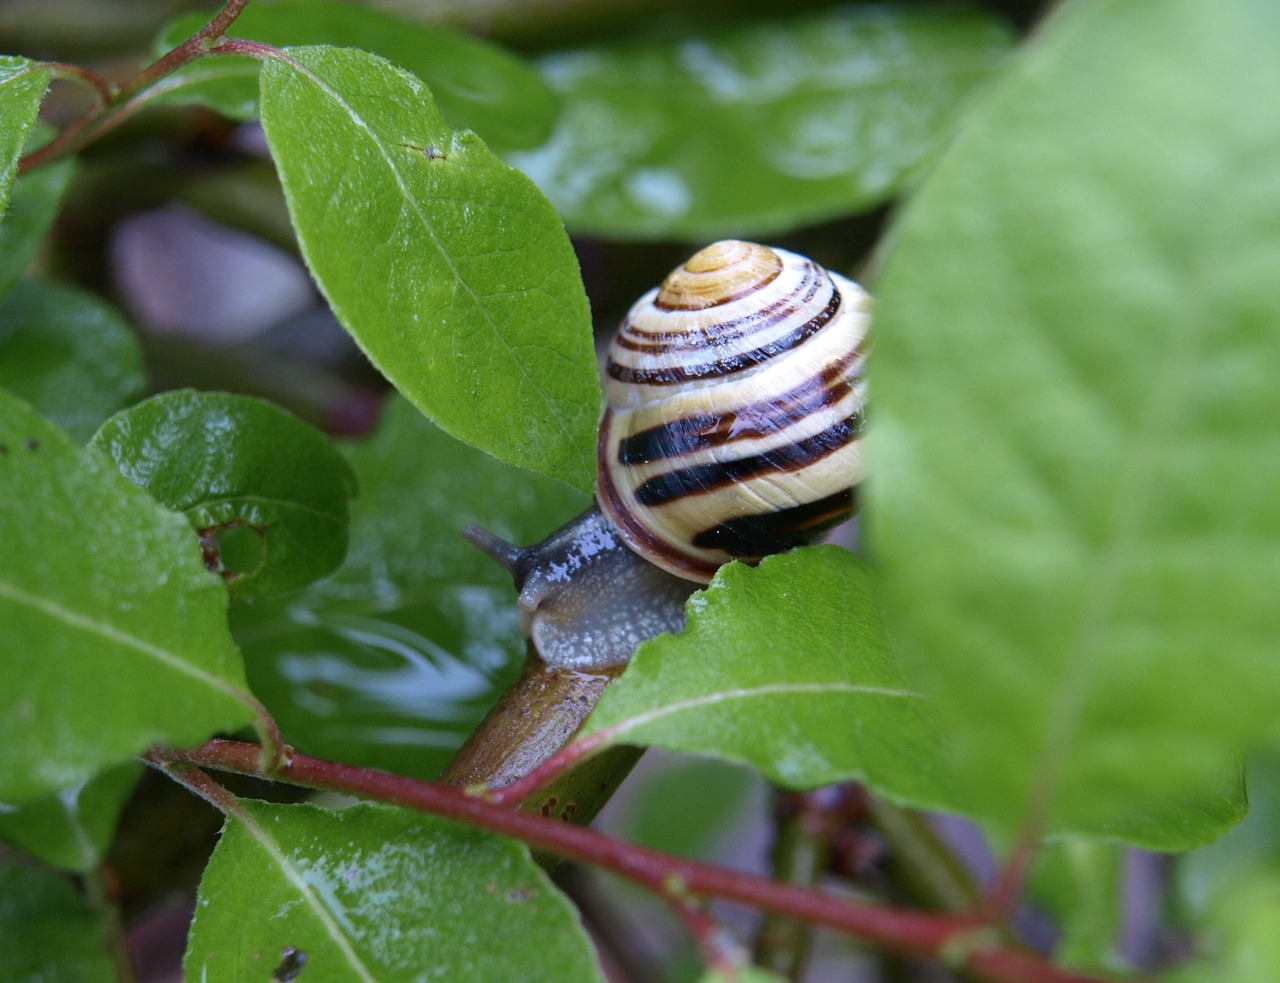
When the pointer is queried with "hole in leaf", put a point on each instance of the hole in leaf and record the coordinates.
(236, 549)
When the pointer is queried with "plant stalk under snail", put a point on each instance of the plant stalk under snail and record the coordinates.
(735, 406)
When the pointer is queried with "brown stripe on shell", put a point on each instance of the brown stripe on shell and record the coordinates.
(637, 535)
(703, 431)
(726, 364)
(699, 479)
(718, 274)
(752, 536)
(725, 331)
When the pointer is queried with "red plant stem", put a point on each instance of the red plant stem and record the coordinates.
(102, 90)
(961, 940)
(718, 949)
(189, 50)
(115, 106)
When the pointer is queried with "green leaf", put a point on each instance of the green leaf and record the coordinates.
(47, 933)
(21, 92)
(757, 126)
(73, 828)
(1228, 893)
(1077, 423)
(231, 462)
(68, 353)
(449, 269)
(783, 667)
(393, 660)
(32, 209)
(688, 806)
(1239, 939)
(1079, 883)
(747, 974)
(115, 632)
(375, 893)
(476, 84)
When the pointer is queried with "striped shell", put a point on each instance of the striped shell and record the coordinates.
(735, 403)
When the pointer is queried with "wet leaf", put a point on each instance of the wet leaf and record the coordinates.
(116, 633)
(783, 667)
(448, 267)
(376, 893)
(393, 660)
(69, 354)
(756, 126)
(231, 462)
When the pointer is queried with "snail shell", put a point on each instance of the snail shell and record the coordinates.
(735, 406)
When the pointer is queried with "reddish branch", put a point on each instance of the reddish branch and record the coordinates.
(114, 106)
(961, 940)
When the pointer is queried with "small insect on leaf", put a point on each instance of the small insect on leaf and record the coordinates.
(292, 963)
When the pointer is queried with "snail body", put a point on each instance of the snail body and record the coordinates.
(735, 405)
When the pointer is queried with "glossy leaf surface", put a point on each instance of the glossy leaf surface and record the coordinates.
(228, 462)
(751, 127)
(476, 85)
(116, 633)
(1077, 422)
(46, 931)
(67, 353)
(32, 209)
(73, 828)
(783, 667)
(21, 91)
(448, 267)
(393, 660)
(375, 893)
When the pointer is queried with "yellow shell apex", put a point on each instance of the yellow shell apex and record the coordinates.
(721, 272)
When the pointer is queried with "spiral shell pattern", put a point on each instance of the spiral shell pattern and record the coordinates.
(735, 406)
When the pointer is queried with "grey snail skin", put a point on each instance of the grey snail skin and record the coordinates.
(735, 395)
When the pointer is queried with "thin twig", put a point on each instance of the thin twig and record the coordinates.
(960, 940)
(103, 91)
(189, 50)
(118, 104)
(720, 951)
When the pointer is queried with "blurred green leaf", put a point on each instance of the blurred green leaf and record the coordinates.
(21, 92)
(47, 933)
(68, 353)
(687, 806)
(115, 633)
(475, 84)
(1077, 423)
(1238, 939)
(1228, 893)
(375, 893)
(393, 660)
(231, 462)
(32, 209)
(783, 667)
(747, 974)
(1079, 883)
(449, 269)
(73, 828)
(754, 127)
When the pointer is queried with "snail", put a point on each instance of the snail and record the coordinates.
(735, 405)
